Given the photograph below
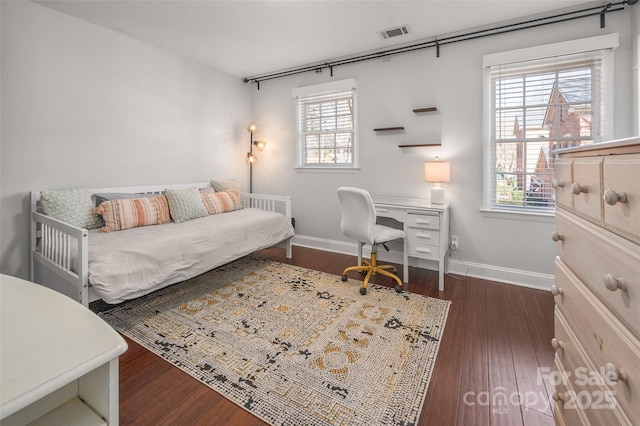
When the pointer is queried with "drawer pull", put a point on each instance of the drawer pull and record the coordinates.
(557, 344)
(612, 283)
(425, 235)
(423, 250)
(423, 221)
(557, 396)
(612, 197)
(615, 374)
(557, 183)
(557, 291)
(556, 236)
(577, 189)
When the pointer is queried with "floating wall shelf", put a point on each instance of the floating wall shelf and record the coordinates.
(430, 109)
(386, 129)
(419, 144)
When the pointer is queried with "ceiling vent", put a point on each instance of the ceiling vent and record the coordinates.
(394, 32)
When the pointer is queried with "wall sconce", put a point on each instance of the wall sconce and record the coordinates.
(252, 128)
(437, 172)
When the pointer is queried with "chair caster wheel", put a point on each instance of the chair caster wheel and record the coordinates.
(363, 291)
(344, 278)
(398, 288)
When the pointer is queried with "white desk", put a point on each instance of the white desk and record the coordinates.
(59, 360)
(426, 227)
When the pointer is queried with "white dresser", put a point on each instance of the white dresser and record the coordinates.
(597, 285)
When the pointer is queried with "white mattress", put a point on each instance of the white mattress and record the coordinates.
(127, 264)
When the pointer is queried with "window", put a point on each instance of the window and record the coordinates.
(536, 105)
(326, 125)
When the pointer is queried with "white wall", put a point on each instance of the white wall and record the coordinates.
(85, 106)
(504, 248)
(82, 105)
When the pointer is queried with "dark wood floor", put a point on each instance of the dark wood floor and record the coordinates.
(488, 371)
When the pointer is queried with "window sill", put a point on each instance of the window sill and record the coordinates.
(327, 169)
(518, 215)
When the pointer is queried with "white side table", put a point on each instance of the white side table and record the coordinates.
(58, 360)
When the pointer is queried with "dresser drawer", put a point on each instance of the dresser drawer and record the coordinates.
(621, 178)
(586, 188)
(562, 182)
(599, 258)
(569, 415)
(426, 221)
(611, 349)
(589, 390)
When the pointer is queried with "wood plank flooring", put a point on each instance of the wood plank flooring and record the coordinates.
(496, 339)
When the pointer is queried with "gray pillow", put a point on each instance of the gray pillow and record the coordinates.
(226, 185)
(73, 206)
(108, 196)
(185, 204)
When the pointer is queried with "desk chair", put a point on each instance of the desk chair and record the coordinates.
(359, 222)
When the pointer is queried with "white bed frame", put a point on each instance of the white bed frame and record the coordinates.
(52, 240)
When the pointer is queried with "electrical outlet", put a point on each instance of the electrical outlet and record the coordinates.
(454, 242)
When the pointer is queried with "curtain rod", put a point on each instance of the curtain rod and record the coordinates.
(601, 10)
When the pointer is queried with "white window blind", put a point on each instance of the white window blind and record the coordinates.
(327, 129)
(538, 106)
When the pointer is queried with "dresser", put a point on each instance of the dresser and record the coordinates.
(597, 284)
(426, 227)
(59, 360)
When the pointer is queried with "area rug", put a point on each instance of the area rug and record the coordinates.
(294, 346)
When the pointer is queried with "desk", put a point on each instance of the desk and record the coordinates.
(426, 227)
(59, 359)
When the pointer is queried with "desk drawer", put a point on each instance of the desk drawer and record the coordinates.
(426, 221)
(417, 248)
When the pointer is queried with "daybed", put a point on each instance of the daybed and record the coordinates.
(90, 264)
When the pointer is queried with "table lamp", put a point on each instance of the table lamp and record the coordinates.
(437, 172)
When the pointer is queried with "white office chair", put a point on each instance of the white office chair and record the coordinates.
(359, 222)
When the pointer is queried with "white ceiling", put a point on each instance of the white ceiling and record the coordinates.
(247, 38)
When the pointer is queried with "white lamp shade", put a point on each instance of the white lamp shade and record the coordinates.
(437, 171)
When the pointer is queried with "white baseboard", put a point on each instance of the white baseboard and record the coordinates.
(500, 274)
(477, 270)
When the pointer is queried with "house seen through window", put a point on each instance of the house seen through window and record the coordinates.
(538, 106)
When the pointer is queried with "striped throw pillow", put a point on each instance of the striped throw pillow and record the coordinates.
(220, 202)
(131, 213)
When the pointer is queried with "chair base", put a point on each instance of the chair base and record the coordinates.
(372, 268)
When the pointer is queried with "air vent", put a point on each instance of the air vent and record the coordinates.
(394, 32)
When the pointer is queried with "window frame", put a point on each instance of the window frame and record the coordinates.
(564, 49)
(328, 91)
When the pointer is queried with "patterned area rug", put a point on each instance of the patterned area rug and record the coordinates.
(294, 346)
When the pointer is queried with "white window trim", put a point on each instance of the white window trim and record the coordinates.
(322, 89)
(608, 41)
